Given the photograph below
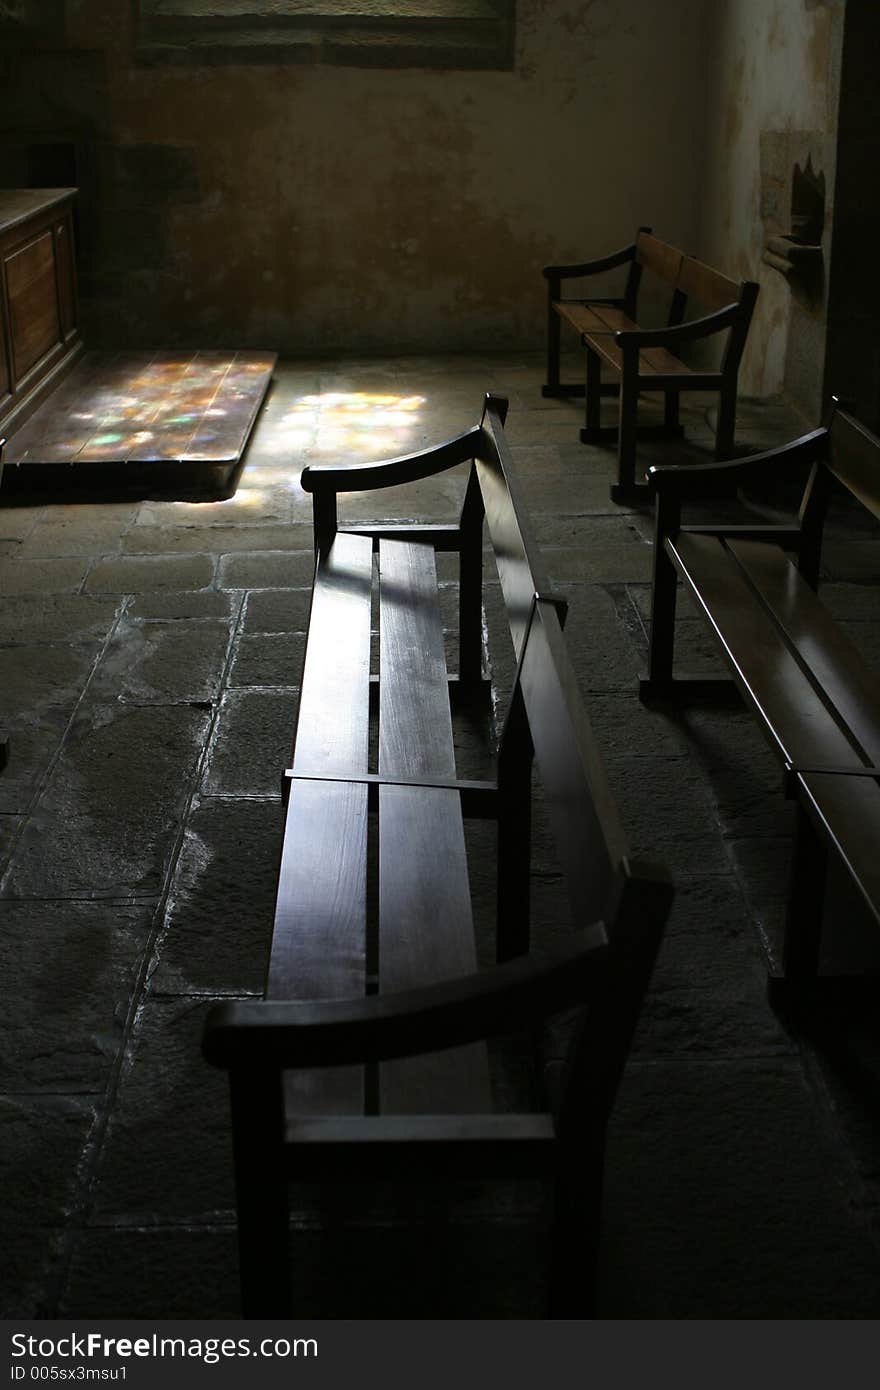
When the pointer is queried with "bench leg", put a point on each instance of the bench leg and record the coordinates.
(664, 589)
(725, 428)
(574, 1239)
(593, 413)
(261, 1195)
(515, 756)
(670, 412)
(470, 590)
(624, 489)
(806, 902)
(553, 330)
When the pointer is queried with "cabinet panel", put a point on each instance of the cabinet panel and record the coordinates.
(33, 302)
(39, 338)
(64, 265)
(5, 378)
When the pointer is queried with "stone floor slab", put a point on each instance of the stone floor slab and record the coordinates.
(152, 1135)
(270, 569)
(69, 969)
(109, 816)
(676, 1234)
(163, 663)
(253, 743)
(268, 659)
(22, 575)
(43, 1139)
(54, 617)
(218, 922)
(277, 610)
(133, 574)
(218, 540)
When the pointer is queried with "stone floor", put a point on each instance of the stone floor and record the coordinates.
(150, 655)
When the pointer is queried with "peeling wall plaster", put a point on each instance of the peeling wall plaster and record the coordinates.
(772, 92)
(374, 209)
(348, 208)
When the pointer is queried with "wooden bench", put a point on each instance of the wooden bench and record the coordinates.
(368, 1054)
(643, 358)
(814, 697)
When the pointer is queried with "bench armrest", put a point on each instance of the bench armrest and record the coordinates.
(325, 478)
(702, 479)
(565, 272)
(329, 1032)
(680, 332)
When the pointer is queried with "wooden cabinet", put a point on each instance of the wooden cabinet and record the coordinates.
(39, 336)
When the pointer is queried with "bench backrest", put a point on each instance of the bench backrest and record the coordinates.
(589, 835)
(690, 279)
(843, 450)
(604, 884)
(707, 286)
(854, 459)
(659, 256)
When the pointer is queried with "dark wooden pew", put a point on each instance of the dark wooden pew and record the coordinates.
(814, 697)
(643, 359)
(368, 1053)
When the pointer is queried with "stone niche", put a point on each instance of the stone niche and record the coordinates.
(796, 218)
(793, 206)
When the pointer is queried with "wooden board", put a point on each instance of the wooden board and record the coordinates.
(34, 325)
(855, 460)
(659, 256)
(601, 321)
(319, 937)
(425, 923)
(790, 710)
(593, 318)
(38, 317)
(837, 668)
(848, 810)
(707, 286)
(161, 424)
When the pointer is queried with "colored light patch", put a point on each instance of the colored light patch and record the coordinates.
(245, 497)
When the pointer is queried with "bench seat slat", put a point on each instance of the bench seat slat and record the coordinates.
(661, 257)
(792, 713)
(852, 687)
(318, 947)
(652, 361)
(849, 809)
(332, 733)
(593, 318)
(415, 722)
(425, 922)
(603, 321)
(443, 1146)
(319, 939)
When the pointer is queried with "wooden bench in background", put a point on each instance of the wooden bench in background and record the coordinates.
(368, 1053)
(643, 359)
(816, 700)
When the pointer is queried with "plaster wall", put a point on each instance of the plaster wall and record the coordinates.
(772, 94)
(331, 207)
(852, 364)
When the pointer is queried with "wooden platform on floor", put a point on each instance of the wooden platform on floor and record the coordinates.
(140, 424)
